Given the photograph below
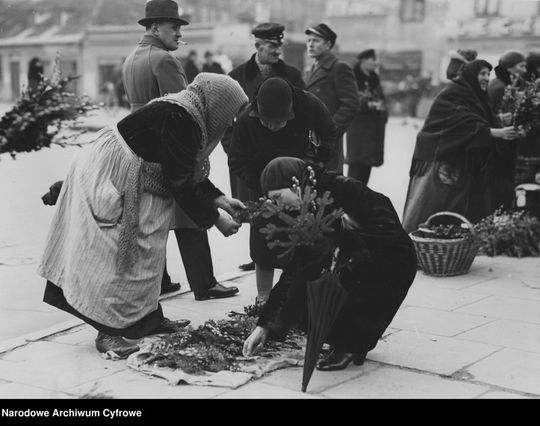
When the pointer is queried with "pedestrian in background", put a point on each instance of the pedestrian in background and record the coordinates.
(35, 73)
(105, 251)
(150, 71)
(191, 67)
(453, 167)
(210, 65)
(333, 82)
(365, 137)
(263, 64)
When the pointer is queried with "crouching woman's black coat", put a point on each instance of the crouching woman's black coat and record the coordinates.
(380, 266)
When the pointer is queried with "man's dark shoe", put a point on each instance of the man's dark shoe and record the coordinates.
(340, 360)
(218, 291)
(167, 326)
(247, 266)
(169, 287)
(116, 344)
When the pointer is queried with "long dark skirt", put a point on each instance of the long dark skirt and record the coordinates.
(144, 327)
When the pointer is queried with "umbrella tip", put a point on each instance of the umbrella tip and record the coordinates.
(304, 388)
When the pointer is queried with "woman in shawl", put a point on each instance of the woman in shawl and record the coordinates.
(105, 251)
(456, 164)
(377, 258)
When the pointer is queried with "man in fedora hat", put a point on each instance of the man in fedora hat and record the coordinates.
(151, 71)
(264, 63)
(333, 82)
(280, 122)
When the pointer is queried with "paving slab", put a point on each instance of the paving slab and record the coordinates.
(458, 282)
(20, 391)
(291, 378)
(511, 369)
(437, 322)
(258, 390)
(56, 366)
(388, 382)
(435, 354)
(502, 395)
(130, 384)
(510, 334)
(509, 308)
(427, 295)
(511, 287)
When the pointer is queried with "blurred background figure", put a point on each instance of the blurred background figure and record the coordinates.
(210, 65)
(365, 137)
(333, 82)
(510, 71)
(35, 73)
(458, 58)
(190, 67)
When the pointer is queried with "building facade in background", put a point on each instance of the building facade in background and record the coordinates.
(413, 37)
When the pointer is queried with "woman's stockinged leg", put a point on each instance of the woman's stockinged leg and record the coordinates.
(265, 279)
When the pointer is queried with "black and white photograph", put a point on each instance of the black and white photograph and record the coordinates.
(267, 199)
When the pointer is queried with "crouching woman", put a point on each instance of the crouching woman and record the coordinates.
(378, 258)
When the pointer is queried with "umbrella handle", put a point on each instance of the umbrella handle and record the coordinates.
(334, 259)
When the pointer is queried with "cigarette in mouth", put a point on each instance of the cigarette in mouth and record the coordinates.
(182, 42)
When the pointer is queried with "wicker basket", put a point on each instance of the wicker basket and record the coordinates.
(446, 258)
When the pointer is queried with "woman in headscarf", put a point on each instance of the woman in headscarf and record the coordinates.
(377, 258)
(456, 165)
(510, 71)
(458, 59)
(105, 251)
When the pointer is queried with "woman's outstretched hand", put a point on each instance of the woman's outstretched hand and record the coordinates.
(230, 205)
(255, 341)
(226, 224)
(506, 133)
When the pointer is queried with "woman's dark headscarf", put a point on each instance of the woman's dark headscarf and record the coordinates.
(279, 172)
(469, 75)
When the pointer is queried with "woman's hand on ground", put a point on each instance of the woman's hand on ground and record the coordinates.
(230, 205)
(226, 224)
(255, 341)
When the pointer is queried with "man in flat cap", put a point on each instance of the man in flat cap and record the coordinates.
(264, 63)
(279, 123)
(151, 71)
(332, 81)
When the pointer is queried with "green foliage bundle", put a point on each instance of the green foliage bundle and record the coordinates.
(514, 234)
(214, 346)
(42, 114)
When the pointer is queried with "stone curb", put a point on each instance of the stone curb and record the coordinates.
(10, 344)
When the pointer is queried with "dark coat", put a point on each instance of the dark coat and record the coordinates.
(250, 78)
(379, 267)
(333, 83)
(254, 146)
(456, 164)
(365, 137)
(150, 71)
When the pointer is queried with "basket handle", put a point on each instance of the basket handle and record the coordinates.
(457, 215)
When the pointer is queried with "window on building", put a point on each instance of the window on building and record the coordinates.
(413, 10)
(486, 7)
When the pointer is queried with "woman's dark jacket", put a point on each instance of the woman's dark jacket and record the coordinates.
(365, 137)
(164, 133)
(254, 146)
(380, 266)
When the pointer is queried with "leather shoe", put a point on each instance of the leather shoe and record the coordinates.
(247, 266)
(340, 360)
(116, 344)
(167, 326)
(218, 291)
(169, 287)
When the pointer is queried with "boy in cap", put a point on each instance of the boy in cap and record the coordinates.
(264, 63)
(278, 123)
(332, 81)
